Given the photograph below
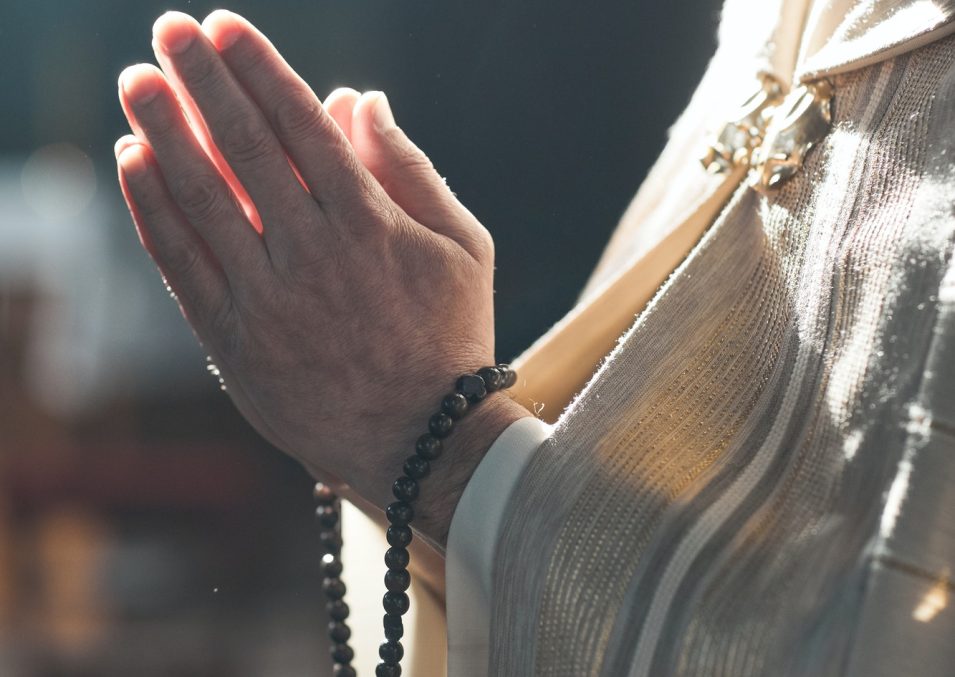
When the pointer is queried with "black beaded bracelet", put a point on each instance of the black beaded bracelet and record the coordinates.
(469, 390)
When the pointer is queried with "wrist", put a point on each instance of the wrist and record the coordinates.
(464, 450)
(461, 453)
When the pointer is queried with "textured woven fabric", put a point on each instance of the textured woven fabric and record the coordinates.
(760, 478)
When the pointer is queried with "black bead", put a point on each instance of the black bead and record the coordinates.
(440, 424)
(331, 566)
(394, 628)
(472, 387)
(342, 653)
(493, 378)
(428, 447)
(400, 513)
(344, 671)
(339, 632)
(397, 580)
(510, 376)
(323, 495)
(338, 610)
(386, 670)
(332, 541)
(327, 516)
(391, 652)
(455, 405)
(417, 468)
(396, 603)
(397, 558)
(405, 489)
(398, 537)
(333, 588)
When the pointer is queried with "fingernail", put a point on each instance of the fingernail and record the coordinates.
(221, 28)
(132, 159)
(122, 143)
(139, 83)
(173, 33)
(383, 116)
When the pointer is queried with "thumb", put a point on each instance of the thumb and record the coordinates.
(408, 176)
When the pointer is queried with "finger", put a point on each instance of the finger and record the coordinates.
(124, 142)
(202, 134)
(409, 177)
(197, 188)
(239, 131)
(182, 256)
(339, 105)
(313, 141)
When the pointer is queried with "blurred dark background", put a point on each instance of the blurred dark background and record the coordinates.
(144, 528)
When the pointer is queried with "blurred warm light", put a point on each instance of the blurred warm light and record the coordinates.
(58, 181)
(70, 541)
(932, 602)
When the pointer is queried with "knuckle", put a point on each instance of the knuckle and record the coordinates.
(202, 73)
(304, 277)
(310, 268)
(390, 216)
(182, 257)
(229, 347)
(479, 243)
(201, 197)
(377, 219)
(406, 154)
(224, 329)
(483, 244)
(246, 139)
(161, 126)
(149, 202)
(299, 115)
(248, 58)
(222, 322)
(404, 157)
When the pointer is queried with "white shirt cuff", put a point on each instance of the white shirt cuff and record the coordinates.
(472, 541)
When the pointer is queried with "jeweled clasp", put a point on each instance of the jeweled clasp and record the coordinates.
(801, 121)
(733, 145)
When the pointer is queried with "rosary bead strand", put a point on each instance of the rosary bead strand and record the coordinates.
(328, 516)
(469, 390)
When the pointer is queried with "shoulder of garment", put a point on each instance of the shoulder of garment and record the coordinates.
(843, 35)
(804, 40)
(795, 41)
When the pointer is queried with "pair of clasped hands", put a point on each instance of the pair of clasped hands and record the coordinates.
(329, 272)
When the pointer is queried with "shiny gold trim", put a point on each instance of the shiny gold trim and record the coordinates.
(734, 144)
(800, 122)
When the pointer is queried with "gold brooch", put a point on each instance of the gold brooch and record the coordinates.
(735, 142)
(800, 122)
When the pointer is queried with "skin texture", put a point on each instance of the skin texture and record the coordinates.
(334, 279)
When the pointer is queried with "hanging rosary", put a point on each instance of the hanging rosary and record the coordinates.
(469, 390)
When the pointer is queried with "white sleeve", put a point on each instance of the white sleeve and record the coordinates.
(472, 540)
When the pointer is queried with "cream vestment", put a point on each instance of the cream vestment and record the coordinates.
(758, 478)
